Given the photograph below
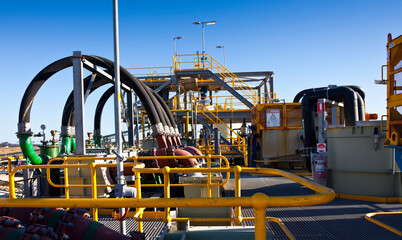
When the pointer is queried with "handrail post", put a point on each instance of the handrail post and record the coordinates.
(238, 217)
(94, 190)
(139, 195)
(11, 187)
(166, 182)
(259, 204)
(209, 175)
(66, 187)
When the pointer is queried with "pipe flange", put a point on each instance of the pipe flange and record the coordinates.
(24, 128)
(157, 129)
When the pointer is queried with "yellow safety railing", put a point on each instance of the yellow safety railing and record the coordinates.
(218, 103)
(369, 216)
(151, 71)
(258, 201)
(394, 91)
(207, 62)
(233, 136)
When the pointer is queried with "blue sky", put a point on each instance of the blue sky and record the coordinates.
(306, 43)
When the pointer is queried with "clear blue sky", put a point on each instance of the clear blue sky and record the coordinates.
(306, 43)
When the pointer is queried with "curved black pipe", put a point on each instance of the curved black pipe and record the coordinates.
(360, 107)
(132, 82)
(344, 94)
(36, 83)
(68, 116)
(359, 90)
(166, 109)
(47, 72)
(303, 92)
(99, 109)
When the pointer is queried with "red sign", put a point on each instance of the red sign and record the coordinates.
(320, 107)
(321, 147)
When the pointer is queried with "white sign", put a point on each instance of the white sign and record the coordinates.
(273, 117)
(321, 147)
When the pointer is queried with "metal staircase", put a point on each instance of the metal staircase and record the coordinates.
(234, 144)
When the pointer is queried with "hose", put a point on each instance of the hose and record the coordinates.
(27, 149)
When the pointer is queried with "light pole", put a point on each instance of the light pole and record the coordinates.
(224, 54)
(174, 44)
(203, 39)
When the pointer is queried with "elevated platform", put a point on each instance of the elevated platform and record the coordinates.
(339, 219)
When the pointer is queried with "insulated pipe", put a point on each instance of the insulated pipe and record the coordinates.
(98, 114)
(162, 141)
(344, 94)
(47, 72)
(68, 116)
(173, 130)
(169, 119)
(360, 107)
(24, 127)
(301, 94)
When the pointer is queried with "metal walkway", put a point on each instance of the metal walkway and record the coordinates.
(340, 219)
(152, 230)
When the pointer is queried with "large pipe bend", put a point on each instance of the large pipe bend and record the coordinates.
(344, 94)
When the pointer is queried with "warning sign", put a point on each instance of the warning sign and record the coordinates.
(273, 118)
(321, 147)
(320, 107)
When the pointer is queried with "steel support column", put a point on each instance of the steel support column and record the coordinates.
(130, 119)
(78, 103)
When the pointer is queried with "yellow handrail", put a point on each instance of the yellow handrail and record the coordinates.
(242, 147)
(212, 64)
(258, 201)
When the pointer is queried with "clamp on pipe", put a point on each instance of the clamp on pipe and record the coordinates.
(121, 190)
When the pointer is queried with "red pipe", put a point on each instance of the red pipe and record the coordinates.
(161, 141)
(169, 141)
(72, 223)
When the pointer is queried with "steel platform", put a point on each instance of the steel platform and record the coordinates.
(339, 219)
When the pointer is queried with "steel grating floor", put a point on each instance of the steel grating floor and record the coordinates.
(339, 219)
(151, 229)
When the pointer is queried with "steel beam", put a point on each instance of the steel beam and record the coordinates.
(78, 103)
(231, 90)
(95, 69)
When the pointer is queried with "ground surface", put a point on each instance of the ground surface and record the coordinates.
(339, 219)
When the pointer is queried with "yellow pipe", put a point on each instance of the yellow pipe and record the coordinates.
(369, 216)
